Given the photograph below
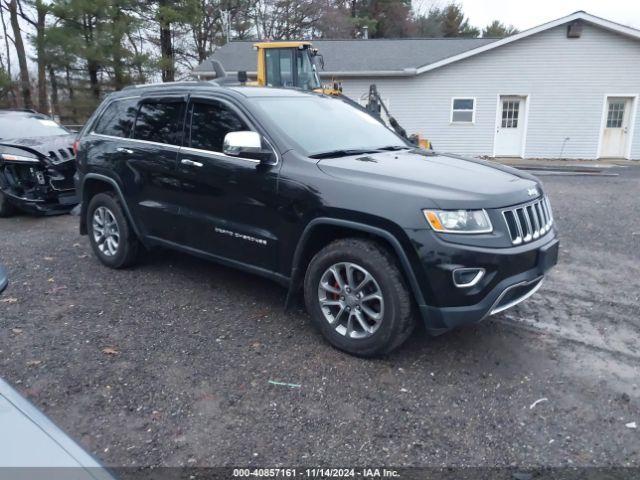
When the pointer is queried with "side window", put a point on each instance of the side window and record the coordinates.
(210, 122)
(117, 119)
(160, 122)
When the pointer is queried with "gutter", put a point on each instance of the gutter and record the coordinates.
(407, 72)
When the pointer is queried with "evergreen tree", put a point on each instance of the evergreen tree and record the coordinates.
(497, 29)
(454, 24)
(94, 31)
(428, 24)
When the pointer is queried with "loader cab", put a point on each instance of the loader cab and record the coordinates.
(287, 65)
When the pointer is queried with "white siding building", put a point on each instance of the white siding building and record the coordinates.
(566, 89)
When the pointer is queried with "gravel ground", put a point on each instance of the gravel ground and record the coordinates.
(169, 363)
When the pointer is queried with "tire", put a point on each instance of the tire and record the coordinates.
(396, 320)
(6, 209)
(123, 251)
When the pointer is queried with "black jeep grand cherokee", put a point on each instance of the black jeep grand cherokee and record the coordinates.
(317, 195)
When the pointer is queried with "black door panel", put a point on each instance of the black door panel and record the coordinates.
(151, 160)
(154, 187)
(228, 207)
(228, 204)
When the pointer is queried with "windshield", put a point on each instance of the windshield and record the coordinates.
(280, 69)
(25, 126)
(307, 75)
(322, 124)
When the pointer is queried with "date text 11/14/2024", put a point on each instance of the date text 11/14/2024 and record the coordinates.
(316, 473)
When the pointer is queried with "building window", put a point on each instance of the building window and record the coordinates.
(510, 113)
(615, 114)
(463, 110)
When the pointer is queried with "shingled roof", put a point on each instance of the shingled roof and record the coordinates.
(399, 57)
(374, 57)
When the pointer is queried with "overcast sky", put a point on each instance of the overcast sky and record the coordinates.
(525, 14)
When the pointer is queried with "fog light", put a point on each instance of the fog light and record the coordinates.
(467, 277)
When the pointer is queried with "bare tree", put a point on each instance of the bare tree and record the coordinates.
(55, 101)
(286, 19)
(12, 93)
(167, 60)
(6, 41)
(39, 24)
(335, 21)
(25, 85)
(138, 44)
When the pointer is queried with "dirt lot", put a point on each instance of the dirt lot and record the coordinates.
(191, 347)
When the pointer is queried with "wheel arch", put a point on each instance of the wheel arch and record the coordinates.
(94, 183)
(321, 231)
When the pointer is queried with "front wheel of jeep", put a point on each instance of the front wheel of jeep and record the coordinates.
(357, 297)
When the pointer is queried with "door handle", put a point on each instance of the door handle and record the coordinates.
(191, 163)
(124, 150)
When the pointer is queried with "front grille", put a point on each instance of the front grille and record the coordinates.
(61, 155)
(529, 221)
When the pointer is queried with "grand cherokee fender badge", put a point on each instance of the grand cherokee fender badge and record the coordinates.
(533, 192)
(241, 236)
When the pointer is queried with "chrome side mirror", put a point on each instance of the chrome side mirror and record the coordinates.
(236, 142)
(247, 144)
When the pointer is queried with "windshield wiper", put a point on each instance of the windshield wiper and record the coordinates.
(394, 148)
(342, 153)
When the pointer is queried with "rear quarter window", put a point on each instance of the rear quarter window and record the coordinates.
(117, 120)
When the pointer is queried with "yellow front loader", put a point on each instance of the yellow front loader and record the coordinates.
(295, 65)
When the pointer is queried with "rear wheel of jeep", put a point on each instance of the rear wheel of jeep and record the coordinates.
(357, 297)
(112, 239)
(6, 209)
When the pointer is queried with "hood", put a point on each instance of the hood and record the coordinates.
(448, 181)
(58, 148)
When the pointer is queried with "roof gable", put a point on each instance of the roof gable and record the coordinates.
(584, 16)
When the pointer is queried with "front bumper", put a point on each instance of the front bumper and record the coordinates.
(39, 189)
(512, 275)
(62, 203)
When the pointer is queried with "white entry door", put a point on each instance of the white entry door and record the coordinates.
(615, 136)
(510, 124)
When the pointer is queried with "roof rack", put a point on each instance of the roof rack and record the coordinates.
(26, 110)
(217, 68)
(164, 84)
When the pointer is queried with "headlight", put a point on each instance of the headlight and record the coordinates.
(459, 221)
(18, 158)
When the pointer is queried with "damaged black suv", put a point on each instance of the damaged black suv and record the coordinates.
(319, 196)
(37, 164)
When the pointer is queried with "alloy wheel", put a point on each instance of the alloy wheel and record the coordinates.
(351, 300)
(105, 231)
